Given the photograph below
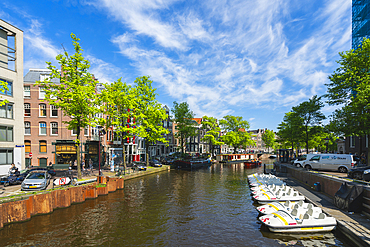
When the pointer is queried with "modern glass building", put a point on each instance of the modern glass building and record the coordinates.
(360, 21)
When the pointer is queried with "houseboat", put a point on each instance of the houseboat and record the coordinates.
(235, 158)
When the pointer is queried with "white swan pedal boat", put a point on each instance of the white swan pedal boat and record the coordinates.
(282, 221)
(279, 196)
(272, 189)
(288, 206)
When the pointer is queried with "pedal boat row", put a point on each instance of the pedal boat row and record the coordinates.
(284, 209)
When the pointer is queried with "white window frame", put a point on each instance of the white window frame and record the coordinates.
(72, 132)
(41, 129)
(42, 109)
(24, 105)
(27, 93)
(352, 142)
(41, 93)
(86, 131)
(52, 126)
(27, 125)
(53, 108)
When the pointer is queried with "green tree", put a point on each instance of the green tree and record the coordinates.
(185, 126)
(213, 132)
(269, 139)
(290, 130)
(312, 117)
(349, 88)
(117, 101)
(236, 134)
(75, 95)
(150, 114)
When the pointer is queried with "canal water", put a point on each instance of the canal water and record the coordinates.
(207, 207)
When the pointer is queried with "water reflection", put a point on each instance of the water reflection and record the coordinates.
(207, 207)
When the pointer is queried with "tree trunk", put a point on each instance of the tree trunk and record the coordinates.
(307, 139)
(147, 152)
(79, 175)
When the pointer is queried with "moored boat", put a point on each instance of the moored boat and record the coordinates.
(282, 221)
(191, 164)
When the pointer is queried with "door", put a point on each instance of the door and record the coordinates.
(43, 162)
(314, 162)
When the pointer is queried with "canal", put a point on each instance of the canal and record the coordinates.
(207, 207)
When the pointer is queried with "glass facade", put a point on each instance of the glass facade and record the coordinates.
(360, 21)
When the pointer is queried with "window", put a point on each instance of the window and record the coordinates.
(27, 146)
(351, 141)
(27, 128)
(42, 128)
(109, 135)
(27, 91)
(86, 131)
(6, 111)
(317, 158)
(42, 147)
(42, 110)
(41, 93)
(27, 110)
(95, 131)
(53, 111)
(43, 77)
(74, 132)
(6, 133)
(9, 91)
(6, 156)
(54, 128)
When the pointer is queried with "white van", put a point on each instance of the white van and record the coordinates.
(330, 162)
(302, 158)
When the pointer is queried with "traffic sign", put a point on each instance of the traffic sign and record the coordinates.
(30, 154)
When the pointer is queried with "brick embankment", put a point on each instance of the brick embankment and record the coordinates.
(21, 207)
(355, 226)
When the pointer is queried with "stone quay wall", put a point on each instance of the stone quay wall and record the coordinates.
(329, 185)
(22, 208)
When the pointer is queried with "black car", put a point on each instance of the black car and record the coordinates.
(359, 173)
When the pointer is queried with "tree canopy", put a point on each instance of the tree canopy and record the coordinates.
(76, 93)
(185, 125)
(236, 132)
(269, 139)
(213, 132)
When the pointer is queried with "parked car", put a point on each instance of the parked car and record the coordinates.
(359, 172)
(155, 163)
(36, 180)
(139, 166)
(302, 158)
(50, 170)
(330, 162)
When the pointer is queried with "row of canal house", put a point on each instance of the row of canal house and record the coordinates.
(48, 140)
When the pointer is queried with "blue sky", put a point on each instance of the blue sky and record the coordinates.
(254, 59)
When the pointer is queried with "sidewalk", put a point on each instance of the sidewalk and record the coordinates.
(353, 226)
(129, 173)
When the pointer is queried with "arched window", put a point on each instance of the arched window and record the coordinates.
(54, 128)
(27, 128)
(27, 110)
(42, 110)
(42, 128)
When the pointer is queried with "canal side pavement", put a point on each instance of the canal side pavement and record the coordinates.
(354, 226)
(129, 174)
